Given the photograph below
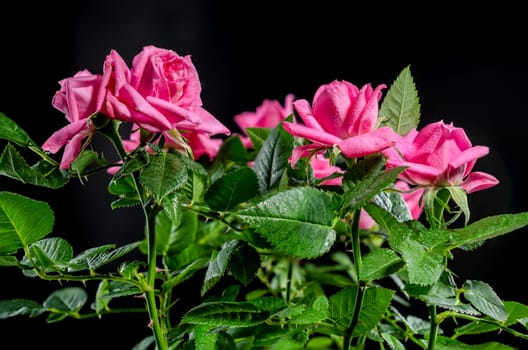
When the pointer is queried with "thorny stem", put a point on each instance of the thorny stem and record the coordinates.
(356, 251)
(110, 130)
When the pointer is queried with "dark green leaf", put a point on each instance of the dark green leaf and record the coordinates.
(225, 313)
(173, 237)
(400, 109)
(444, 343)
(182, 275)
(8, 260)
(393, 203)
(232, 151)
(67, 300)
(362, 191)
(272, 160)
(166, 173)
(233, 188)
(297, 221)
(244, 263)
(517, 312)
(22, 221)
(94, 258)
(218, 266)
(43, 173)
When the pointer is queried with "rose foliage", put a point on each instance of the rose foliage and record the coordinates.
(326, 222)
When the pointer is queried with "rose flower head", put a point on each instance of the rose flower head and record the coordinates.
(440, 155)
(341, 115)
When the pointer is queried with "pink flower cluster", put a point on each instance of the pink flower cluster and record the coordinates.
(159, 93)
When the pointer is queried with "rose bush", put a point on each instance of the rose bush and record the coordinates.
(310, 215)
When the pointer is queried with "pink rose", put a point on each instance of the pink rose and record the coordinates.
(160, 92)
(411, 197)
(77, 99)
(341, 115)
(322, 168)
(268, 115)
(440, 155)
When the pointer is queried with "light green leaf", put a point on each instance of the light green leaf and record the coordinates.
(424, 266)
(207, 337)
(166, 173)
(43, 173)
(233, 188)
(400, 109)
(445, 343)
(379, 263)
(487, 228)
(392, 341)
(52, 253)
(225, 313)
(393, 202)
(10, 131)
(94, 258)
(22, 221)
(297, 221)
(272, 160)
(16, 307)
(459, 196)
(517, 312)
(484, 299)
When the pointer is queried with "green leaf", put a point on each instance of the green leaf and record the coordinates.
(234, 249)
(66, 300)
(517, 312)
(393, 203)
(22, 221)
(392, 341)
(459, 196)
(360, 191)
(379, 263)
(400, 109)
(94, 258)
(424, 266)
(52, 253)
(225, 313)
(244, 263)
(184, 274)
(484, 299)
(376, 301)
(232, 151)
(233, 188)
(214, 339)
(16, 307)
(8, 260)
(174, 237)
(445, 343)
(272, 160)
(10, 131)
(43, 173)
(297, 221)
(258, 136)
(487, 228)
(166, 173)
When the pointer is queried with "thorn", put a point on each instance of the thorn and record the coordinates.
(150, 324)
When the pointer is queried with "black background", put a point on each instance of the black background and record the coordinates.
(469, 67)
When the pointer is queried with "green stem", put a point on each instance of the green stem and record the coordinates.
(360, 291)
(433, 328)
(110, 130)
(150, 294)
